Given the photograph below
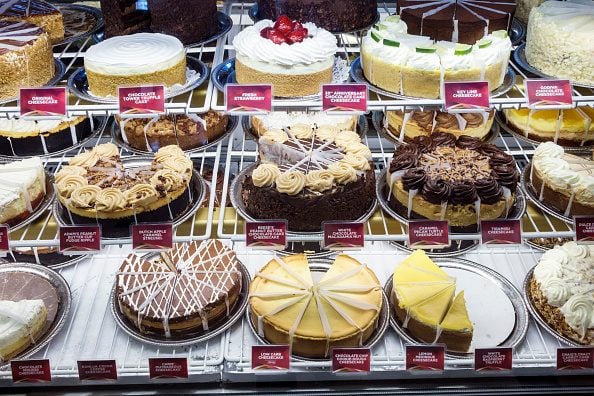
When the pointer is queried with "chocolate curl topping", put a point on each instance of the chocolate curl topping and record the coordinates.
(411, 149)
(464, 193)
(507, 176)
(444, 139)
(437, 190)
(489, 149)
(425, 143)
(500, 158)
(414, 179)
(403, 161)
(488, 190)
(469, 142)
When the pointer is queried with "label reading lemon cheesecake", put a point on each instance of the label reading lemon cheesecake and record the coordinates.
(425, 357)
(43, 103)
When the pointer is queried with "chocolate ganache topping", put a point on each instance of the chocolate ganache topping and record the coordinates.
(489, 191)
(463, 192)
(437, 190)
(473, 120)
(469, 142)
(424, 143)
(414, 179)
(407, 149)
(444, 139)
(404, 161)
(489, 149)
(424, 119)
(446, 120)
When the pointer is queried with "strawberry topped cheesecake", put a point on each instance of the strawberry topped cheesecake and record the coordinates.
(296, 58)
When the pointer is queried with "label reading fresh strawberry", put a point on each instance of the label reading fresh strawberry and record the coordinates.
(285, 31)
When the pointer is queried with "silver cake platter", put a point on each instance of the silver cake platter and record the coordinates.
(379, 123)
(519, 56)
(56, 317)
(536, 315)
(59, 71)
(501, 120)
(357, 75)
(319, 266)
(197, 190)
(457, 247)
(237, 202)
(51, 259)
(517, 32)
(118, 139)
(196, 74)
(362, 127)
(485, 291)
(180, 340)
(80, 22)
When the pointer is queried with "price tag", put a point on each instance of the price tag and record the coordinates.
(266, 234)
(425, 357)
(343, 236)
(248, 99)
(31, 370)
(501, 232)
(144, 100)
(80, 239)
(151, 237)
(344, 98)
(97, 370)
(575, 358)
(168, 368)
(49, 103)
(427, 234)
(352, 360)
(4, 240)
(584, 230)
(499, 359)
(466, 97)
(548, 94)
(271, 357)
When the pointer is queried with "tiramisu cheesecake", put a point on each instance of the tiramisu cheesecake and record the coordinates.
(36, 12)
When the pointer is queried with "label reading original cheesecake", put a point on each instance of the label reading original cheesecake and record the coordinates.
(575, 358)
(351, 360)
(584, 230)
(548, 94)
(499, 359)
(425, 357)
(96, 370)
(343, 236)
(31, 370)
(4, 240)
(168, 368)
(144, 100)
(266, 234)
(428, 234)
(80, 239)
(248, 99)
(466, 96)
(501, 232)
(271, 357)
(48, 103)
(151, 237)
(344, 98)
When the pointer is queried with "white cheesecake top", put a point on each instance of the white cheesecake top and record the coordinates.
(135, 54)
(17, 320)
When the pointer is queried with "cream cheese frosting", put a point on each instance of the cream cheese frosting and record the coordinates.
(19, 320)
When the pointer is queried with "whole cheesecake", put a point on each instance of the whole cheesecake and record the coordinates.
(22, 188)
(135, 60)
(290, 305)
(184, 290)
(335, 16)
(295, 58)
(36, 12)
(458, 179)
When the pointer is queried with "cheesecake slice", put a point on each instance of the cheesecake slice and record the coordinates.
(21, 323)
(456, 327)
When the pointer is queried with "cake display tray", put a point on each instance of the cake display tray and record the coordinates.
(519, 56)
(379, 123)
(485, 291)
(196, 74)
(357, 75)
(62, 310)
(517, 32)
(457, 247)
(53, 260)
(218, 327)
(198, 190)
(59, 71)
(118, 139)
(80, 22)
(320, 266)
(237, 201)
(533, 196)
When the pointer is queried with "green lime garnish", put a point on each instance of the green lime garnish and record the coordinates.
(393, 18)
(391, 43)
(484, 43)
(502, 34)
(426, 50)
(381, 26)
(462, 49)
(376, 37)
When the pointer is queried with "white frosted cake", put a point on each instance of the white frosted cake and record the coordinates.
(20, 324)
(320, 121)
(22, 187)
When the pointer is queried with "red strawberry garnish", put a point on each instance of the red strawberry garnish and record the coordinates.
(276, 37)
(283, 24)
(297, 36)
(297, 25)
(264, 32)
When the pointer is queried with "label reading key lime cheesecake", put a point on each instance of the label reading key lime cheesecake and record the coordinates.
(466, 96)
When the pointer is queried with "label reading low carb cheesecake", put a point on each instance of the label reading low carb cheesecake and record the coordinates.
(501, 232)
(584, 230)
(4, 240)
(423, 234)
(466, 96)
(96, 370)
(151, 237)
(31, 370)
(266, 234)
(487, 359)
(343, 236)
(351, 360)
(44, 103)
(548, 94)
(271, 357)
(80, 239)
(168, 368)
(138, 101)
(344, 98)
(575, 358)
(248, 99)
(425, 357)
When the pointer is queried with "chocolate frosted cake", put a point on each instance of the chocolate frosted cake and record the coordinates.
(122, 17)
(462, 21)
(336, 16)
(308, 176)
(462, 180)
(36, 12)
(185, 290)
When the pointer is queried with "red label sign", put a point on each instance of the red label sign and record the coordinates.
(168, 368)
(97, 370)
(80, 239)
(493, 359)
(267, 234)
(466, 96)
(344, 98)
(271, 357)
(248, 99)
(4, 240)
(141, 100)
(501, 232)
(428, 234)
(31, 370)
(584, 230)
(575, 358)
(343, 236)
(43, 102)
(351, 360)
(150, 237)
(425, 357)
(549, 94)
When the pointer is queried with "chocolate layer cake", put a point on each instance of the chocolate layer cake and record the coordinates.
(122, 17)
(36, 12)
(335, 16)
